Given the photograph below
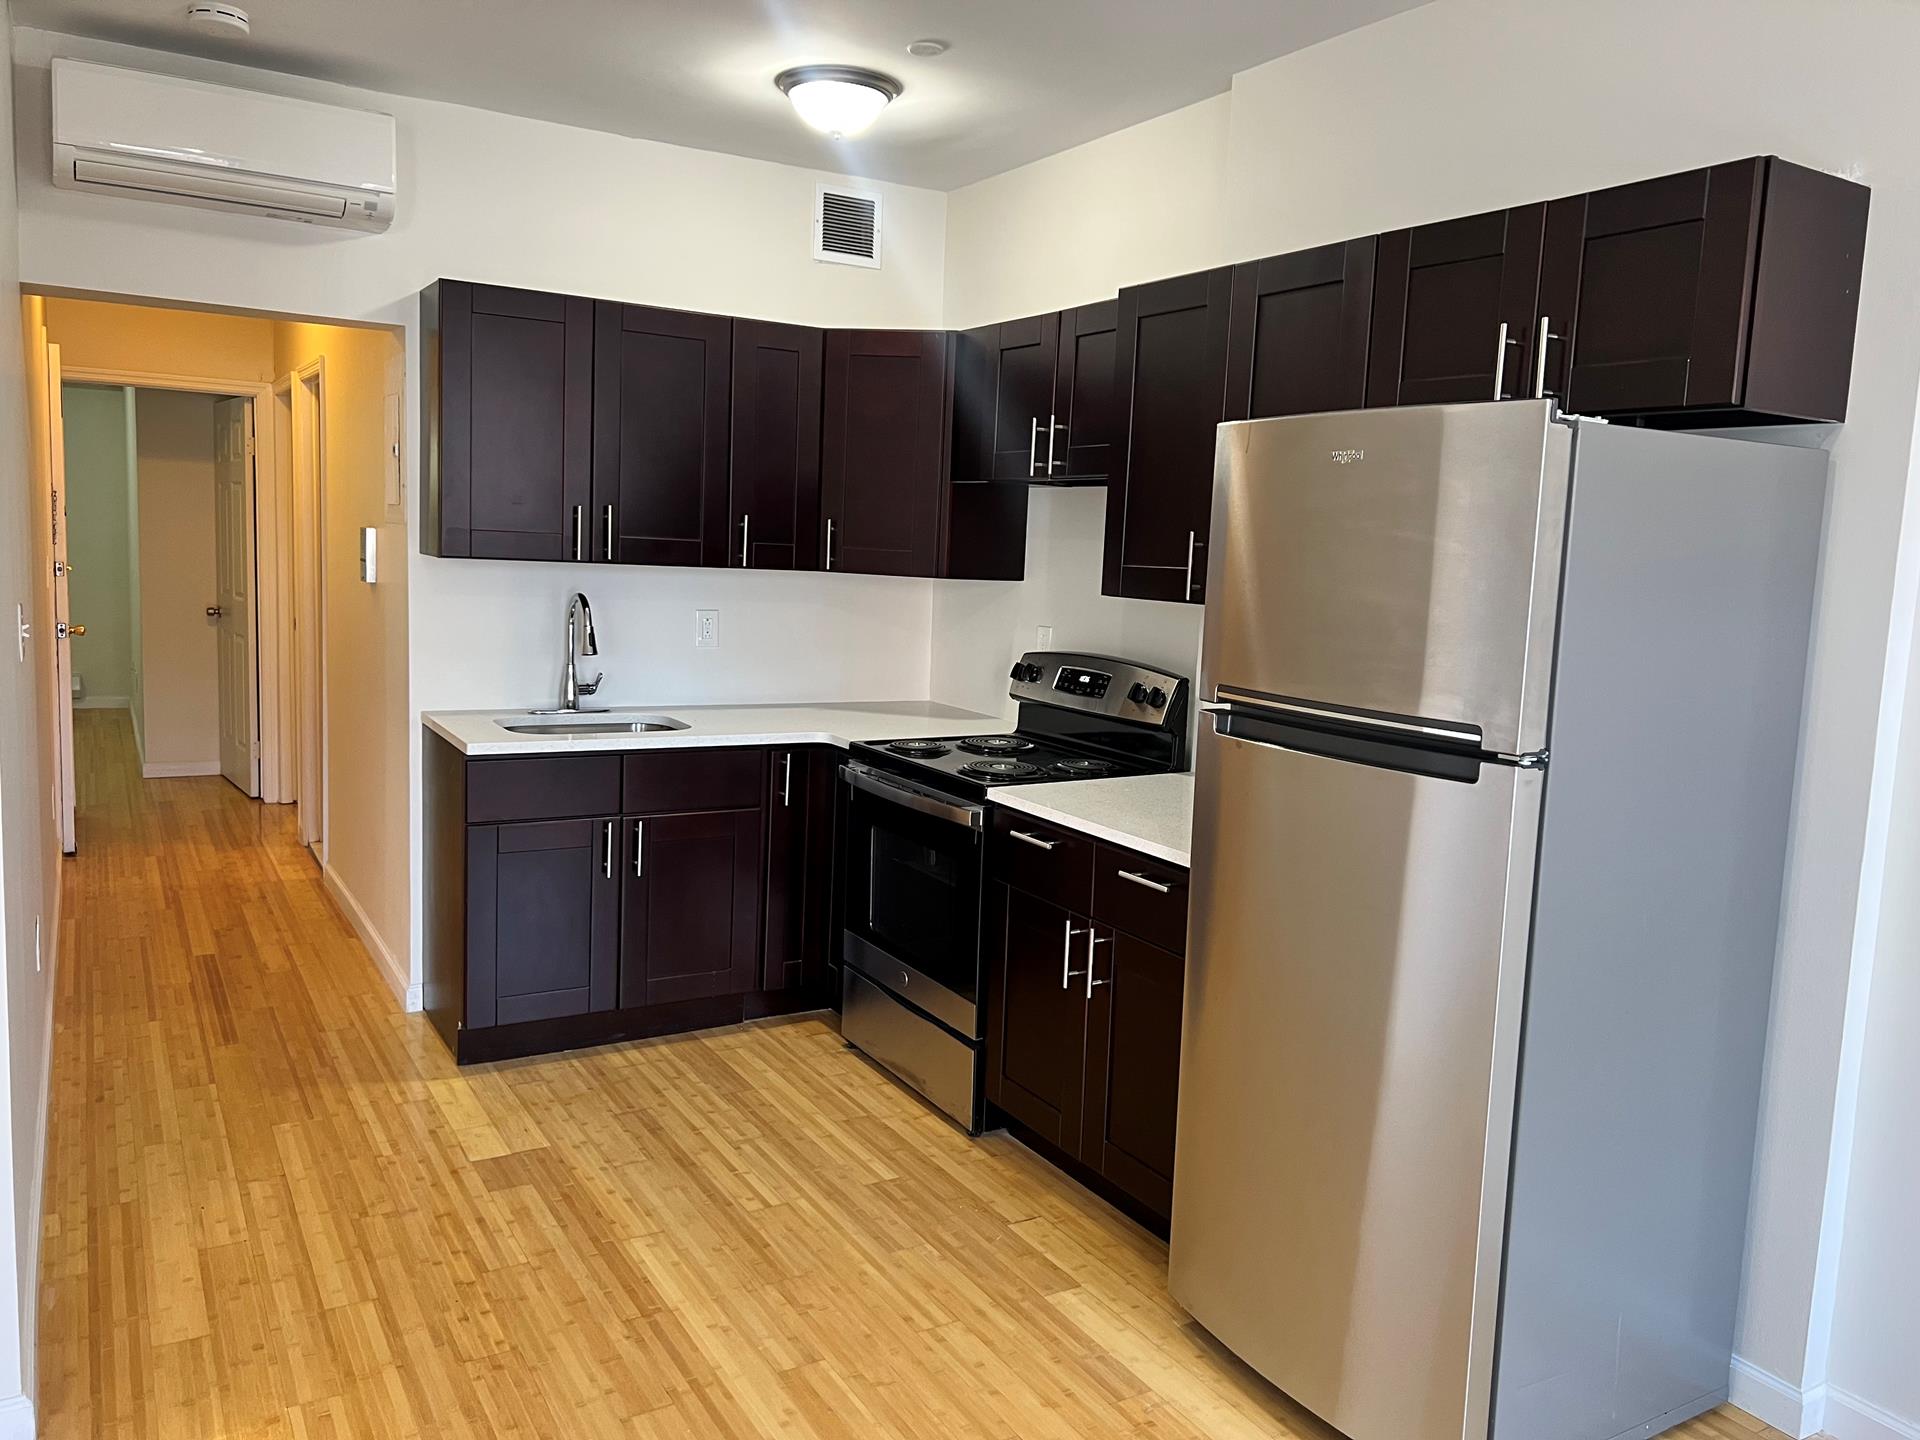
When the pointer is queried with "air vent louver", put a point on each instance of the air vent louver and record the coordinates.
(846, 227)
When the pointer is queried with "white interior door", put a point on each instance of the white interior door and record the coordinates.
(232, 610)
(64, 630)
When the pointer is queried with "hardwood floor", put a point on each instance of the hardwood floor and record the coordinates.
(275, 1208)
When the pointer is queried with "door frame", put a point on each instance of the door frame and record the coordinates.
(300, 445)
(272, 618)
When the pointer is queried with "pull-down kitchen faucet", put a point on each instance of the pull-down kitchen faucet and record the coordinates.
(579, 613)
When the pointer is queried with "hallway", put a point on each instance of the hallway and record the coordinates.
(274, 1208)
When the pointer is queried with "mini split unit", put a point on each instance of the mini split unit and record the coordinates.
(182, 142)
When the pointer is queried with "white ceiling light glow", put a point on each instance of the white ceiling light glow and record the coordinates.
(840, 101)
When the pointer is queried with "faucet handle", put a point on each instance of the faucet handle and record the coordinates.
(592, 687)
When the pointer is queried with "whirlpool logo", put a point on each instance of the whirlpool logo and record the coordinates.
(1347, 457)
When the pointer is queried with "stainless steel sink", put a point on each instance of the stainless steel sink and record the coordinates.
(602, 724)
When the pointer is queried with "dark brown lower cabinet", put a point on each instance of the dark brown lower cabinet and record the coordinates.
(579, 899)
(543, 919)
(1083, 1017)
(690, 906)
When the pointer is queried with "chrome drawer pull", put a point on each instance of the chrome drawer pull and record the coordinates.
(1140, 879)
(1033, 840)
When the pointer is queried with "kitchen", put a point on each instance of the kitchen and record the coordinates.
(975, 558)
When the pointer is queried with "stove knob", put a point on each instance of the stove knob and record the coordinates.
(1033, 674)
(1019, 671)
(1138, 694)
(1156, 697)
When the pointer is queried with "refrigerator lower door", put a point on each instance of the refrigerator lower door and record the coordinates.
(1356, 964)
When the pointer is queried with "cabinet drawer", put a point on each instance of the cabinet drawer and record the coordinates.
(678, 780)
(542, 787)
(1041, 859)
(1143, 897)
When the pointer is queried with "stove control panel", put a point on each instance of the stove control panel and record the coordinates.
(1070, 680)
(1100, 685)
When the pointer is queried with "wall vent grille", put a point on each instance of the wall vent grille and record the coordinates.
(846, 227)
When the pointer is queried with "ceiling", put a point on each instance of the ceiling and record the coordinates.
(1024, 78)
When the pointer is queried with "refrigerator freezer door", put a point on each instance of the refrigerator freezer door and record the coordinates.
(1403, 562)
(1355, 971)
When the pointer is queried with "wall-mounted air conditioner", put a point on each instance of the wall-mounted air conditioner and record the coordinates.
(157, 137)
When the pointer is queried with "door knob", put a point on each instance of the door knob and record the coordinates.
(63, 631)
(213, 612)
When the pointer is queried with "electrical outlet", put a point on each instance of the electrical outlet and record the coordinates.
(706, 629)
(1044, 639)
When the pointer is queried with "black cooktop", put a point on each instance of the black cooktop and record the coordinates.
(990, 760)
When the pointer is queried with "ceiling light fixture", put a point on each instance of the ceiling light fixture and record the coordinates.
(926, 49)
(840, 101)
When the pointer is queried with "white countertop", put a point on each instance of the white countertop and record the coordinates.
(1149, 813)
(479, 732)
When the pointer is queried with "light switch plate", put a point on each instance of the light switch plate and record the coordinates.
(706, 629)
(1044, 639)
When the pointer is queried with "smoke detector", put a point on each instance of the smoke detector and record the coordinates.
(214, 18)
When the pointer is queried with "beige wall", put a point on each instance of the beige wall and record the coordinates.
(99, 435)
(367, 723)
(179, 644)
(149, 340)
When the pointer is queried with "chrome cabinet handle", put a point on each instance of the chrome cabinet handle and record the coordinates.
(1193, 544)
(1069, 433)
(639, 847)
(1500, 361)
(606, 867)
(579, 530)
(746, 522)
(1053, 433)
(1033, 449)
(1093, 940)
(1067, 972)
(829, 564)
(1033, 840)
(609, 532)
(786, 779)
(1137, 878)
(1540, 357)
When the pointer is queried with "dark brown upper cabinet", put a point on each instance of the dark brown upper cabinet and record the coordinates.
(1026, 354)
(1087, 415)
(774, 519)
(661, 380)
(508, 438)
(1170, 365)
(883, 460)
(1453, 309)
(1728, 294)
(1300, 332)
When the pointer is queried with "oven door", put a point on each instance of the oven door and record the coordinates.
(912, 901)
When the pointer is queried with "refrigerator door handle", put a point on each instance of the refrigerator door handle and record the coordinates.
(1231, 699)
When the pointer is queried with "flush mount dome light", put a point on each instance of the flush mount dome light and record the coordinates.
(837, 100)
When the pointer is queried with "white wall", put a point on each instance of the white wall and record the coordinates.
(179, 645)
(1424, 116)
(99, 423)
(28, 863)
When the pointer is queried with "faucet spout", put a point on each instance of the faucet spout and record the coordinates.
(581, 639)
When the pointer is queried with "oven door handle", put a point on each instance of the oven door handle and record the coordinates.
(954, 811)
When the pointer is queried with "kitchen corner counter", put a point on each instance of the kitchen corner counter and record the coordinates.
(481, 732)
(1149, 813)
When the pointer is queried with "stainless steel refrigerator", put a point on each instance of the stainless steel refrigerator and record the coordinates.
(1494, 770)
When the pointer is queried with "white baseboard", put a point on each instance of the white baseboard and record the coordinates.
(104, 702)
(174, 770)
(1785, 1407)
(1851, 1418)
(411, 997)
(16, 1417)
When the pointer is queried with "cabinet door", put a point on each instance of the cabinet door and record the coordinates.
(800, 867)
(1036, 1013)
(775, 514)
(660, 386)
(542, 920)
(1664, 271)
(1084, 400)
(883, 446)
(1300, 329)
(1024, 439)
(690, 900)
(1171, 358)
(1133, 1065)
(1454, 308)
(509, 420)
